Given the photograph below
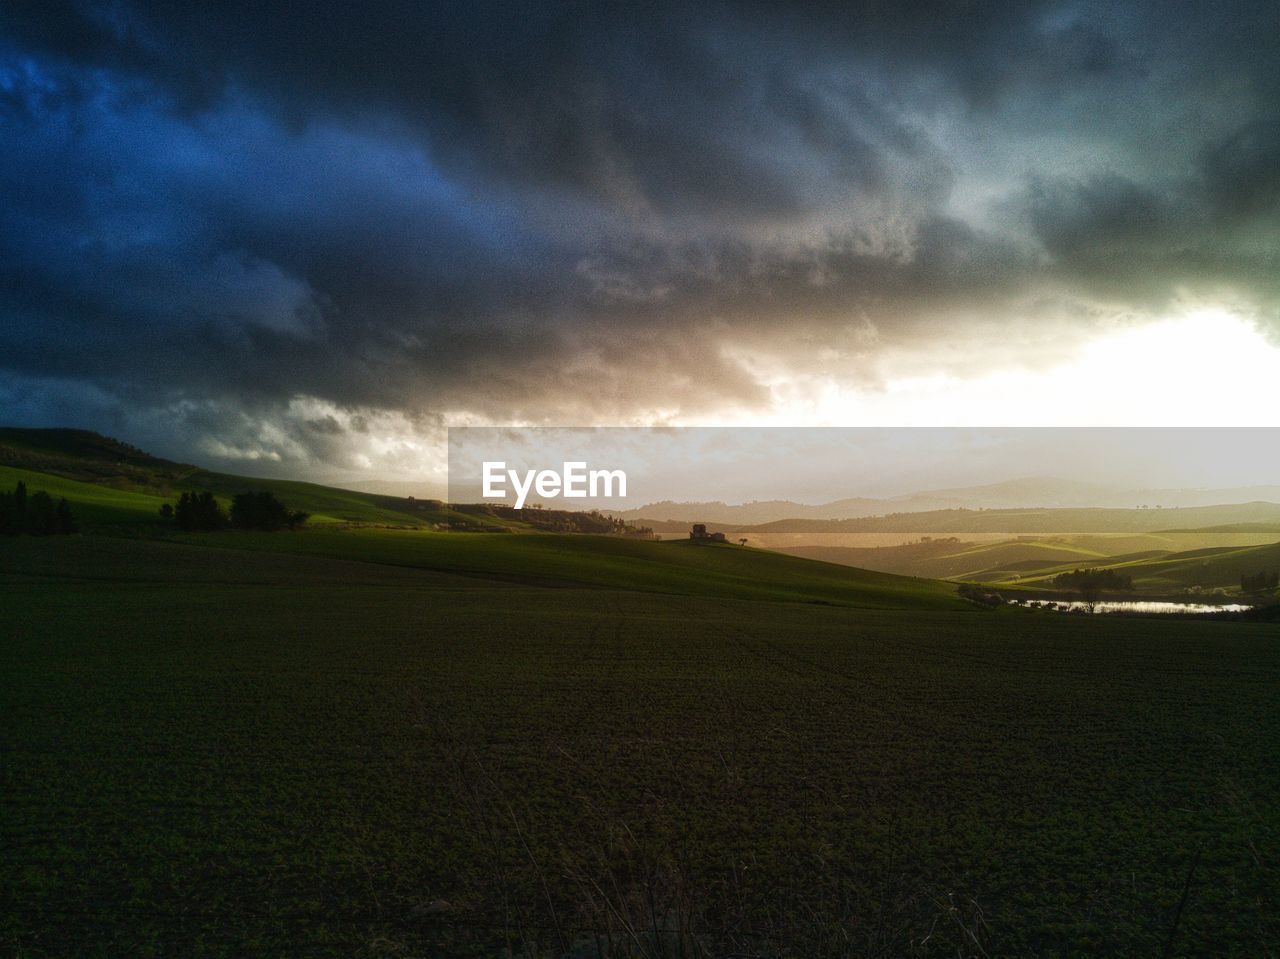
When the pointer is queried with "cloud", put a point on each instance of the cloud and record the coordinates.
(560, 212)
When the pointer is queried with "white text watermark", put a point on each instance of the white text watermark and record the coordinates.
(573, 481)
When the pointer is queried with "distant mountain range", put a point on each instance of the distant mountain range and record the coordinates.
(1028, 493)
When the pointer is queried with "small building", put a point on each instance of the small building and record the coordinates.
(699, 531)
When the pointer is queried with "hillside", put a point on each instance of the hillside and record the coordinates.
(92, 504)
(118, 483)
(129, 500)
(113, 486)
(103, 466)
(1030, 493)
(678, 567)
(114, 499)
(951, 560)
(1204, 569)
(88, 457)
(1030, 521)
(1159, 562)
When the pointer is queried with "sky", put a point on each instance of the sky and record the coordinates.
(303, 239)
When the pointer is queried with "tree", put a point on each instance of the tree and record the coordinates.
(66, 522)
(199, 513)
(42, 514)
(36, 514)
(1091, 582)
(262, 511)
(1259, 582)
(9, 525)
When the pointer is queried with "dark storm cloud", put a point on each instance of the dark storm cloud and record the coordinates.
(572, 210)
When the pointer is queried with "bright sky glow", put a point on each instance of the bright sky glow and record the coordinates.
(1208, 368)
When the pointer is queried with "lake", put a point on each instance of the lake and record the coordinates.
(1138, 606)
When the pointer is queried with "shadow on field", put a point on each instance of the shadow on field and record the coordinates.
(623, 891)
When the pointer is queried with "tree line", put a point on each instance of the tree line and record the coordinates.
(261, 510)
(1259, 582)
(555, 520)
(36, 514)
(1092, 582)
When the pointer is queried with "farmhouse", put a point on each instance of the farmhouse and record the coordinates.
(699, 531)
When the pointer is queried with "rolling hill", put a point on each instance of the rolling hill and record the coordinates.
(1171, 561)
(110, 501)
(118, 483)
(103, 467)
(676, 567)
(115, 488)
(1204, 569)
(1029, 493)
(1031, 521)
(951, 560)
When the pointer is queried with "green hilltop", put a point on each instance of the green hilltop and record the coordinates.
(103, 467)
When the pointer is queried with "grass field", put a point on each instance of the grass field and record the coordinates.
(1210, 567)
(679, 566)
(102, 504)
(431, 747)
(118, 483)
(92, 504)
(1164, 562)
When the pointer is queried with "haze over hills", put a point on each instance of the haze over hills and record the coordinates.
(123, 480)
(1258, 517)
(1026, 493)
(1028, 505)
(1157, 562)
(109, 483)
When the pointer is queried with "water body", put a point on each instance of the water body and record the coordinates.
(1137, 606)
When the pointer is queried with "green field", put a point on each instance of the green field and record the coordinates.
(679, 567)
(1212, 567)
(113, 506)
(1160, 563)
(98, 504)
(92, 504)
(378, 743)
(117, 483)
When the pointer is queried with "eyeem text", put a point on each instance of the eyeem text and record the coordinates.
(574, 481)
